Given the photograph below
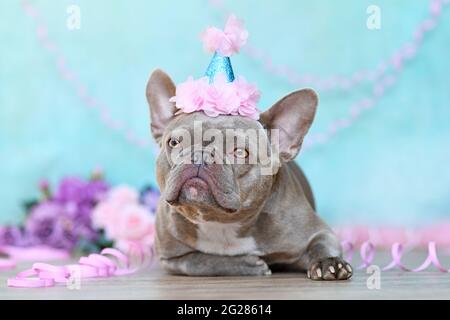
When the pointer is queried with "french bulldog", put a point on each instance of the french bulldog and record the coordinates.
(230, 219)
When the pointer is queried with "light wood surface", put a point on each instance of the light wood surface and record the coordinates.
(156, 284)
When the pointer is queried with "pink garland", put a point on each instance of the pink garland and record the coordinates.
(384, 237)
(396, 61)
(368, 252)
(73, 79)
(385, 76)
(384, 80)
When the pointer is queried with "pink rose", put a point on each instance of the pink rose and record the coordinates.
(123, 194)
(106, 216)
(135, 223)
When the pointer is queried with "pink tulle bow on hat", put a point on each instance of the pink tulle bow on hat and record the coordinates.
(228, 41)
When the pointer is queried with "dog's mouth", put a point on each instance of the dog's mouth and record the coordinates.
(199, 187)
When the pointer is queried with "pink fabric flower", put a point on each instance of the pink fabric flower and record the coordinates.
(212, 39)
(189, 95)
(227, 42)
(219, 98)
(249, 96)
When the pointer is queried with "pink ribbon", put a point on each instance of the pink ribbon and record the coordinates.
(110, 262)
(368, 250)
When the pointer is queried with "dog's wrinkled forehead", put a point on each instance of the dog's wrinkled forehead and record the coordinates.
(222, 123)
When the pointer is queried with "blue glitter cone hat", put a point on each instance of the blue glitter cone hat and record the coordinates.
(220, 64)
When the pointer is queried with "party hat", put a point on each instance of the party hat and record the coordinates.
(220, 64)
(220, 92)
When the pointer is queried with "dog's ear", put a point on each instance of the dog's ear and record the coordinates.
(160, 88)
(292, 116)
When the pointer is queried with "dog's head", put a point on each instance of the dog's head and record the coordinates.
(222, 168)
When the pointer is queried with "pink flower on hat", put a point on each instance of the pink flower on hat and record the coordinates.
(220, 97)
(249, 96)
(190, 95)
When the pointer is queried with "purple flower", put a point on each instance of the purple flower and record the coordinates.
(71, 189)
(79, 191)
(11, 235)
(58, 225)
(42, 223)
(96, 190)
(149, 198)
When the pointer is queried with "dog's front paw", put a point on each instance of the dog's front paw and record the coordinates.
(334, 268)
(254, 266)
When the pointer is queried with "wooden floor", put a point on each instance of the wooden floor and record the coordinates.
(156, 284)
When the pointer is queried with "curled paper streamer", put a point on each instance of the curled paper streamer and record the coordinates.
(110, 262)
(368, 251)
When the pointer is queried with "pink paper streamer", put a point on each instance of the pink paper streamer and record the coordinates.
(100, 265)
(368, 253)
(110, 262)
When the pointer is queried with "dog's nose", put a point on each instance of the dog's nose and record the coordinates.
(203, 157)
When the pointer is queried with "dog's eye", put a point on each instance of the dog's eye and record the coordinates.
(173, 143)
(240, 153)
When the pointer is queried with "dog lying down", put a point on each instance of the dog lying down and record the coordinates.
(229, 218)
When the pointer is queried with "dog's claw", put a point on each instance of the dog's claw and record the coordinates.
(334, 268)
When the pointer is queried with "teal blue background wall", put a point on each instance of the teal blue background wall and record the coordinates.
(391, 167)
